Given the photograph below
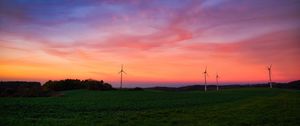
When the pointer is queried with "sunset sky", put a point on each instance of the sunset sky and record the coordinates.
(158, 41)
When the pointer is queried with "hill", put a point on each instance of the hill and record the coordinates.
(290, 85)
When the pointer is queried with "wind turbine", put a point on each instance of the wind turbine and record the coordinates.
(205, 75)
(217, 79)
(121, 72)
(270, 78)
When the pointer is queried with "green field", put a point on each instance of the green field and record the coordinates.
(248, 106)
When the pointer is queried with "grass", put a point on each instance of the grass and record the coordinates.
(248, 106)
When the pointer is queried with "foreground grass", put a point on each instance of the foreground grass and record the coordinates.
(249, 106)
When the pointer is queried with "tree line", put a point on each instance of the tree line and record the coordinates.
(35, 89)
(69, 84)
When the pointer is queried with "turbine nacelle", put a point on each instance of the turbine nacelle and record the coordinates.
(205, 72)
(270, 67)
(122, 71)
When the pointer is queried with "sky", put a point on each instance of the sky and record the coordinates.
(158, 41)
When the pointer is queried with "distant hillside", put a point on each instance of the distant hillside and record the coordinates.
(289, 85)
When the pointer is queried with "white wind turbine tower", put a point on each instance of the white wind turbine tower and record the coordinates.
(217, 79)
(121, 72)
(205, 75)
(270, 77)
